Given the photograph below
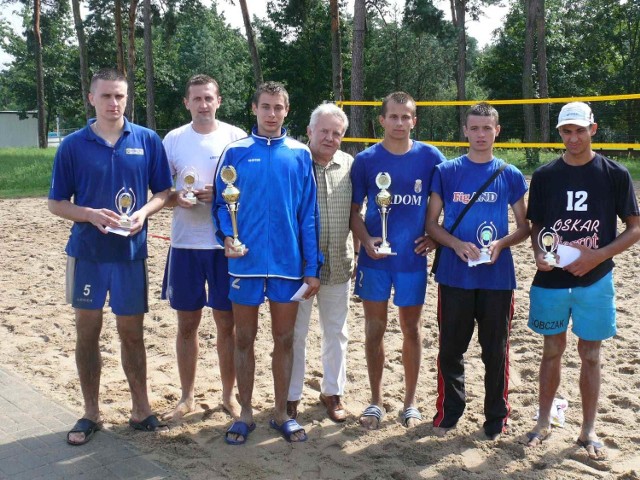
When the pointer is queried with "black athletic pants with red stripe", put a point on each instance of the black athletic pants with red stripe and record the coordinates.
(457, 310)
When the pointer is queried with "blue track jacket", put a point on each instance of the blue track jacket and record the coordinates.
(278, 210)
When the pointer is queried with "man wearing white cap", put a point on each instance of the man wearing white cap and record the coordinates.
(575, 201)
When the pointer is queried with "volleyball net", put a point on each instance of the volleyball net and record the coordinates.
(617, 116)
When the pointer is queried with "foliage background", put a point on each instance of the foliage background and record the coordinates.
(592, 49)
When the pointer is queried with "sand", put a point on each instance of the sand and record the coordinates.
(38, 338)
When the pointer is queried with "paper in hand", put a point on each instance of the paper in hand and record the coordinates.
(119, 231)
(567, 255)
(297, 297)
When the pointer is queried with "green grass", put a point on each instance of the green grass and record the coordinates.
(25, 172)
(516, 156)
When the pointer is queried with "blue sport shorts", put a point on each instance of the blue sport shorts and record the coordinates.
(592, 310)
(188, 271)
(127, 283)
(375, 285)
(252, 290)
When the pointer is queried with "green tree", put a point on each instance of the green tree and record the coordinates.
(191, 39)
(296, 50)
(583, 58)
(60, 66)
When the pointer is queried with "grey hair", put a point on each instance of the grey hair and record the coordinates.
(328, 109)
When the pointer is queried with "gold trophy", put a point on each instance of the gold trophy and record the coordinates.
(125, 203)
(548, 242)
(231, 195)
(189, 179)
(383, 199)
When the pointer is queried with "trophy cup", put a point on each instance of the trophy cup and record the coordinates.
(189, 179)
(383, 199)
(486, 234)
(125, 203)
(231, 195)
(548, 243)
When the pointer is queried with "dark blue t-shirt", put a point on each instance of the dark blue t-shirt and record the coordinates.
(92, 172)
(455, 182)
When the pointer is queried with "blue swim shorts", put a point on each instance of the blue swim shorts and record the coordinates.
(375, 285)
(127, 283)
(188, 271)
(592, 310)
(252, 290)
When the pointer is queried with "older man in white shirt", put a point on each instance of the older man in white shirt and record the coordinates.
(327, 127)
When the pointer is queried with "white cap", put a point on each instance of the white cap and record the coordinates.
(575, 113)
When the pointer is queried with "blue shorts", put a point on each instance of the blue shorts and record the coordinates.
(592, 310)
(127, 283)
(188, 271)
(374, 285)
(252, 290)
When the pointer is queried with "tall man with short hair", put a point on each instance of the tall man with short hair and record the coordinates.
(410, 165)
(107, 166)
(482, 293)
(278, 223)
(195, 257)
(327, 126)
(578, 198)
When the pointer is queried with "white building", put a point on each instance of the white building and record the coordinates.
(17, 132)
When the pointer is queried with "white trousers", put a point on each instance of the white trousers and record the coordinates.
(333, 309)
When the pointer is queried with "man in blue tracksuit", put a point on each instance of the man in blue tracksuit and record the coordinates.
(278, 225)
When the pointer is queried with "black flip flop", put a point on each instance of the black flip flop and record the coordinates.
(86, 426)
(149, 424)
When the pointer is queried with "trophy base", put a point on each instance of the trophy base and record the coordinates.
(238, 247)
(191, 198)
(125, 223)
(385, 251)
(484, 258)
(551, 261)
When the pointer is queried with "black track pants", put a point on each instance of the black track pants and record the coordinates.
(457, 310)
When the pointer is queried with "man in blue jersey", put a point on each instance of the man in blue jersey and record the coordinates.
(108, 168)
(578, 198)
(196, 259)
(410, 166)
(482, 293)
(278, 223)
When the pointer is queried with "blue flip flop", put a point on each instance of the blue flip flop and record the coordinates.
(239, 428)
(598, 449)
(288, 428)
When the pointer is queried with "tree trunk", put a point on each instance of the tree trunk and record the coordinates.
(119, 45)
(251, 40)
(527, 79)
(357, 73)
(84, 63)
(42, 119)
(131, 61)
(543, 83)
(336, 51)
(148, 63)
(458, 16)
